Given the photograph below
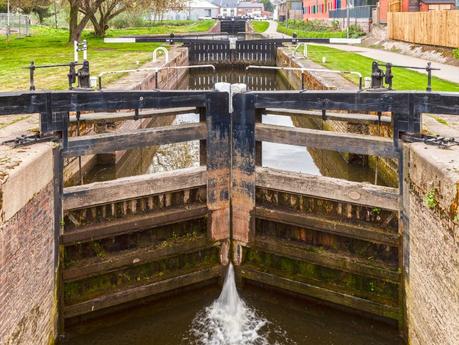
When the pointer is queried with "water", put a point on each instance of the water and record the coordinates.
(207, 317)
(230, 321)
(280, 156)
(252, 315)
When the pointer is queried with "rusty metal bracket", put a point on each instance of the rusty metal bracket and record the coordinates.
(441, 142)
(25, 140)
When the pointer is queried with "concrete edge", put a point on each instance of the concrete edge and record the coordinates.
(23, 173)
(436, 170)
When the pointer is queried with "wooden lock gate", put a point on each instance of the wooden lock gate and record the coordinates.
(130, 238)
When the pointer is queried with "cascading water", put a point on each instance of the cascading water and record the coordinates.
(230, 321)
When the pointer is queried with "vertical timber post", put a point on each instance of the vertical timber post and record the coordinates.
(409, 123)
(258, 144)
(202, 143)
(218, 168)
(243, 171)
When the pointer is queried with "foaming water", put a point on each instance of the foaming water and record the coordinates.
(230, 321)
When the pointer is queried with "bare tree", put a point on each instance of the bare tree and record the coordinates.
(77, 24)
(39, 7)
(108, 10)
(159, 7)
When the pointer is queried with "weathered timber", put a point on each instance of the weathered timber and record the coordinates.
(320, 293)
(335, 141)
(98, 193)
(139, 256)
(347, 263)
(132, 224)
(218, 165)
(110, 142)
(365, 233)
(21, 102)
(129, 115)
(395, 101)
(328, 188)
(348, 117)
(139, 292)
(243, 174)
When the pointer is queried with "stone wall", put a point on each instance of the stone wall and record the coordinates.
(28, 311)
(387, 168)
(432, 245)
(168, 79)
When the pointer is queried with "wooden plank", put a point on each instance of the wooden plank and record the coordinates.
(105, 192)
(430, 28)
(333, 116)
(337, 261)
(110, 142)
(112, 262)
(132, 224)
(340, 142)
(321, 293)
(139, 292)
(25, 102)
(366, 233)
(329, 188)
(130, 115)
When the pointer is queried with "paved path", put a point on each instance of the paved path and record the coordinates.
(447, 72)
(271, 31)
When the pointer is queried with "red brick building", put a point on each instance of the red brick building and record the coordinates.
(318, 9)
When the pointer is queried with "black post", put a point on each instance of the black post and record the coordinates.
(32, 76)
(84, 80)
(389, 76)
(377, 76)
(429, 77)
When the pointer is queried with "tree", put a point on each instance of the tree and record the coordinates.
(76, 24)
(268, 6)
(39, 7)
(108, 10)
(159, 7)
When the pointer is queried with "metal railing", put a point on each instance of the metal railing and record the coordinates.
(354, 12)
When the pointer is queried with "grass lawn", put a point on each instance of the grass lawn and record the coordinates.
(259, 25)
(49, 46)
(403, 79)
(308, 34)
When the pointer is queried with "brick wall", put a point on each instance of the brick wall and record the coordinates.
(27, 266)
(432, 246)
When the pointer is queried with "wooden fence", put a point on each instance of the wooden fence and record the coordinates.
(436, 28)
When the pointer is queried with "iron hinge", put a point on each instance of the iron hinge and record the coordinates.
(442, 142)
(25, 140)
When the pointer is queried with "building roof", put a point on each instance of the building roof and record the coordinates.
(452, 2)
(201, 4)
(246, 4)
(226, 3)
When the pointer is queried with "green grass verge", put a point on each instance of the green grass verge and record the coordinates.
(259, 25)
(309, 34)
(50, 46)
(403, 79)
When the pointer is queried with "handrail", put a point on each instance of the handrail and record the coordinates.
(303, 69)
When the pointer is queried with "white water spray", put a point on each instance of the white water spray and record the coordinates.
(228, 321)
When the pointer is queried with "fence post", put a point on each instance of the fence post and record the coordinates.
(243, 170)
